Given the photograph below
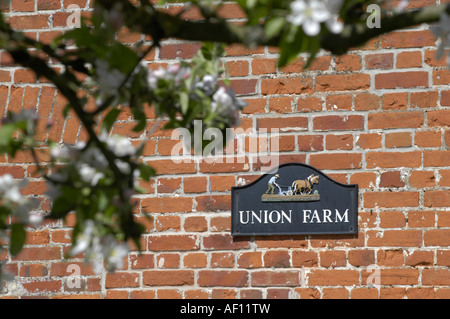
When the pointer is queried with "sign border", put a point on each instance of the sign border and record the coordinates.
(235, 193)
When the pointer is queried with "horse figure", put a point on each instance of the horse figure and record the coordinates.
(302, 185)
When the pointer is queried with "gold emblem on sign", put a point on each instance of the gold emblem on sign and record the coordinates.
(300, 190)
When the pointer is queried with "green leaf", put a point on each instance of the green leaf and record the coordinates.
(110, 118)
(18, 236)
(184, 101)
(60, 208)
(146, 171)
(274, 26)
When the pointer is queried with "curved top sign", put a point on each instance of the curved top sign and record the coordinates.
(294, 199)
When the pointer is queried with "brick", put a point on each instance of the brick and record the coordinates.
(250, 259)
(439, 118)
(320, 63)
(342, 82)
(179, 50)
(348, 62)
(369, 141)
(29, 22)
(121, 279)
(399, 139)
(339, 102)
(379, 61)
(420, 258)
(39, 253)
(436, 158)
(408, 39)
(195, 184)
(172, 242)
(339, 142)
(280, 105)
(222, 260)
(296, 66)
(336, 161)
(409, 59)
(424, 99)
(395, 120)
(420, 179)
(168, 278)
(363, 179)
(220, 241)
(427, 139)
(167, 205)
(338, 122)
(167, 223)
(213, 203)
(332, 259)
(168, 185)
(391, 199)
(310, 142)
(441, 77)
(436, 277)
(48, 5)
(284, 124)
(195, 260)
(401, 80)
(237, 68)
(171, 167)
(283, 278)
(277, 259)
(222, 278)
(445, 98)
(360, 258)
(22, 5)
(304, 258)
(421, 219)
(437, 198)
(394, 238)
(325, 277)
(366, 102)
(45, 286)
(395, 101)
(309, 104)
(33, 270)
(195, 224)
(392, 219)
(391, 179)
(393, 159)
(286, 86)
(264, 66)
(244, 86)
(399, 276)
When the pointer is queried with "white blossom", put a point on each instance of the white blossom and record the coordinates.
(10, 188)
(89, 174)
(98, 249)
(221, 100)
(120, 146)
(109, 80)
(35, 219)
(311, 13)
(116, 254)
(207, 84)
(83, 240)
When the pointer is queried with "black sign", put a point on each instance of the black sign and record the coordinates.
(294, 199)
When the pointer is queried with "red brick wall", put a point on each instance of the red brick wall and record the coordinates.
(378, 117)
